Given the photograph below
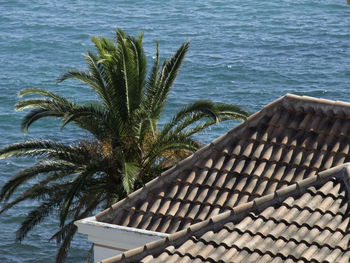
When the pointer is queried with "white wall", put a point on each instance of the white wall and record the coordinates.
(110, 240)
(104, 252)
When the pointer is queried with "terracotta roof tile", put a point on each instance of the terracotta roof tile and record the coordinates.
(305, 222)
(289, 141)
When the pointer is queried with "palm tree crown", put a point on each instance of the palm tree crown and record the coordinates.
(127, 149)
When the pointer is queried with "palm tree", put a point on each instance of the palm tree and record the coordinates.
(126, 148)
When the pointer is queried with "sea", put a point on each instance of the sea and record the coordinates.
(242, 52)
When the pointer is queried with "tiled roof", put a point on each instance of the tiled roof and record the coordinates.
(289, 140)
(305, 222)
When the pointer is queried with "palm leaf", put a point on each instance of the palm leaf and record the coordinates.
(28, 173)
(64, 248)
(56, 106)
(74, 191)
(130, 172)
(151, 87)
(41, 191)
(104, 46)
(67, 232)
(44, 93)
(193, 111)
(167, 143)
(167, 76)
(136, 70)
(34, 148)
(36, 216)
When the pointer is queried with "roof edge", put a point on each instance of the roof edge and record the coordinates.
(237, 213)
(92, 222)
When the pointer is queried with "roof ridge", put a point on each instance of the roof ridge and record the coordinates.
(317, 104)
(238, 212)
(108, 215)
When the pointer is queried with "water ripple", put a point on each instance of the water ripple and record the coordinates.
(245, 52)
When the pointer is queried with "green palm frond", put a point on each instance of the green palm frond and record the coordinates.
(50, 196)
(37, 114)
(130, 173)
(168, 143)
(191, 113)
(89, 117)
(147, 127)
(34, 148)
(74, 190)
(234, 110)
(199, 110)
(127, 67)
(60, 234)
(175, 141)
(33, 103)
(149, 100)
(151, 90)
(65, 245)
(44, 93)
(189, 131)
(96, 77)
(54, 106)
(136, 69)
(166, 79)
(86, 77)
(66, 233)
(104, 46)
(96, 115)
(41, 191)
(206, 116)
(28, 173)
(35, 217)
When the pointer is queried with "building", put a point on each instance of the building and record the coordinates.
(273, 188)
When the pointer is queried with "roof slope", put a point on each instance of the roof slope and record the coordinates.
(291, 139)
(305, 222)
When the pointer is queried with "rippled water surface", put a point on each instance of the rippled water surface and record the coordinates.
(242, 52)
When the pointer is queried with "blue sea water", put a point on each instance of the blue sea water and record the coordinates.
(242, 52)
